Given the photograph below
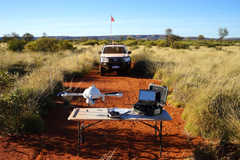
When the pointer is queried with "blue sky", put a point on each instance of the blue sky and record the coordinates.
(136, 17)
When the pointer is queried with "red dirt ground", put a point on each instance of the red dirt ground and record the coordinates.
(130, 139)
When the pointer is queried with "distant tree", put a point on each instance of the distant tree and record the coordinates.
(28, 37)
(168, 33)
(6, 38)
(15, 35)
(172, 38)
(222, 33)
(122, 38)
(12, 36)
(44, 35)
(201, 37)
(84, 39)
(130, 38)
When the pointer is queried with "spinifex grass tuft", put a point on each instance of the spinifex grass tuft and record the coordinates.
(205, 81)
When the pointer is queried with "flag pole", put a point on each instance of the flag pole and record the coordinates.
(111, 30)
(112, 20)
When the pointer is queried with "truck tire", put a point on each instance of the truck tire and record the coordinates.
(102, 71)
(128, 71)
(120, 72)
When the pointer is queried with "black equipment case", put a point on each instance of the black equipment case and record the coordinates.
(156, 107)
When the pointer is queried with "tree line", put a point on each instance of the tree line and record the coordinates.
(43, 44)
(14, 36)
(17, 43)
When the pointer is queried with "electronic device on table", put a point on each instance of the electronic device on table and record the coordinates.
(151, 101)
(113, 114)
(117, 112)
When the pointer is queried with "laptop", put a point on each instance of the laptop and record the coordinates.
(146, 97)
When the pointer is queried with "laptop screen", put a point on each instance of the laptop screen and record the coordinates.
(147, 95)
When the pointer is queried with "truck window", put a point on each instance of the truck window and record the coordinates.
(114, 50)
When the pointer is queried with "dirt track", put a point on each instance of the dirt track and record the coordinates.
(131, 139)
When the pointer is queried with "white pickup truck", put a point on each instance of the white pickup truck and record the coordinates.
(115, 57)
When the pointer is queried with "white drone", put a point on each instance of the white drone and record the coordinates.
(90, 94)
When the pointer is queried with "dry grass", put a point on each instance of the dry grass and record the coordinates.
(205, 81)
(37, 75)
(40, 78)
(44, 64)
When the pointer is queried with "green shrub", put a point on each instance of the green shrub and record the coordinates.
(65, 45)
(149, 44)
(14, 107)
(49, 45)
(6, 80)
(90, 42)
(32, 123)
(180, 45)
(45, 105)
(162, 43)
(207, 115)
(16, 45)
(141, 42)
(130, 42)
(103, 42)
(212, 44)
(43, 44)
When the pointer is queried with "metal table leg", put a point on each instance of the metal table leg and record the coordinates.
(160, 134)
(79, 138)
(81, 133)
(82, 128)
(155, 132)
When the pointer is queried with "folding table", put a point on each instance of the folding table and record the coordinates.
(101, 114)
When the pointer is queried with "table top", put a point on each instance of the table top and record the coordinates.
(82, 114)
